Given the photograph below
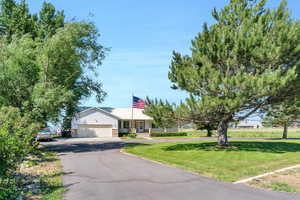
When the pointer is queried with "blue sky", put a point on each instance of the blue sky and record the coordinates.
(142, 36)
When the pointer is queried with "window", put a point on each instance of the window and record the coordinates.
(125, 124)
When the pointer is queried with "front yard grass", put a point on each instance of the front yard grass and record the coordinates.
(243, 159)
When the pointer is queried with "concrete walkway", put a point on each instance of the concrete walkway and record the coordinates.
(97, 170)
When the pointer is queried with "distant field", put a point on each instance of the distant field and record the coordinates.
(263, 132)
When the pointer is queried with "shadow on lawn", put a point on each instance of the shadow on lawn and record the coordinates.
(268, 147)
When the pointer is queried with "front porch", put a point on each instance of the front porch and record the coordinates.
(138, 126)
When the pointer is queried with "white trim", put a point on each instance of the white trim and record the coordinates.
(94, 124)
(113, 115)
(266, 174)
(99, 109)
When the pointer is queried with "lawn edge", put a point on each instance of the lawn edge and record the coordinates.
(200, 175)
(60, 195)
(267, 174)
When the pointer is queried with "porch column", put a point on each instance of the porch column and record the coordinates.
(132, 126)
(132, 123)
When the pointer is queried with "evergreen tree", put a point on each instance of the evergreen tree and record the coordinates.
(161, 112)
(246, 60)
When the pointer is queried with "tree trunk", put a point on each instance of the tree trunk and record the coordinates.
(165, 130)
(222, 131)
(285, 131)
(209, 132)
(67, 121)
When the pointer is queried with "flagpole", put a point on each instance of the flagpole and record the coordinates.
(132, 114)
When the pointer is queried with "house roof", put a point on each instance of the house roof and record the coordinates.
(121, 113)
(83, 108)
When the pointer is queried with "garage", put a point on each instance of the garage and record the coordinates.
(89, 130)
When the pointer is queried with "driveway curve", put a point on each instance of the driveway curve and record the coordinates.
(97, 170)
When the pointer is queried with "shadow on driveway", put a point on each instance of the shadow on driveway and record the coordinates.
(89, 147)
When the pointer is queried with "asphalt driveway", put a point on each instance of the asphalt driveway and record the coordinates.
(97, 170)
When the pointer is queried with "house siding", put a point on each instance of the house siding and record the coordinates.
(95, 117)
(84, 122)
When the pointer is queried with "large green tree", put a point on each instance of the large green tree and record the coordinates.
(46, 61)
(161, 112)
(46, 64)
(247, 59)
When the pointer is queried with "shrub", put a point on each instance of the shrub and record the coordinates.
(8, 188)
(66, 134)
(132, 135)
(123, 134)
(168, 134)
(17, 135)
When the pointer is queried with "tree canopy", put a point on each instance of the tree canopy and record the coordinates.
(47, 65)
(247, 59)
(46, 61)
(161, 112)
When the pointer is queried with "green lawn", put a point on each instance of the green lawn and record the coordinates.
(243, 159)
(263, 132)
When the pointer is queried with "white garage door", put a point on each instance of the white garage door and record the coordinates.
(94, 131)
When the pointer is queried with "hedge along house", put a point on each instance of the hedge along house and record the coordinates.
(109, 122)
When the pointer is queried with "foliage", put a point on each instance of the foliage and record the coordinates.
(46, 62)
(15, 19)
(66, 134)
(40, 177)
(161, 112)
(283, 114)
(16, 139)
(132, 135)
(168, 134)
(246, 60)
(8, 188)
(209, 127)
(46, 66)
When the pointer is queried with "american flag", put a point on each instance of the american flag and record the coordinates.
(138, 103)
